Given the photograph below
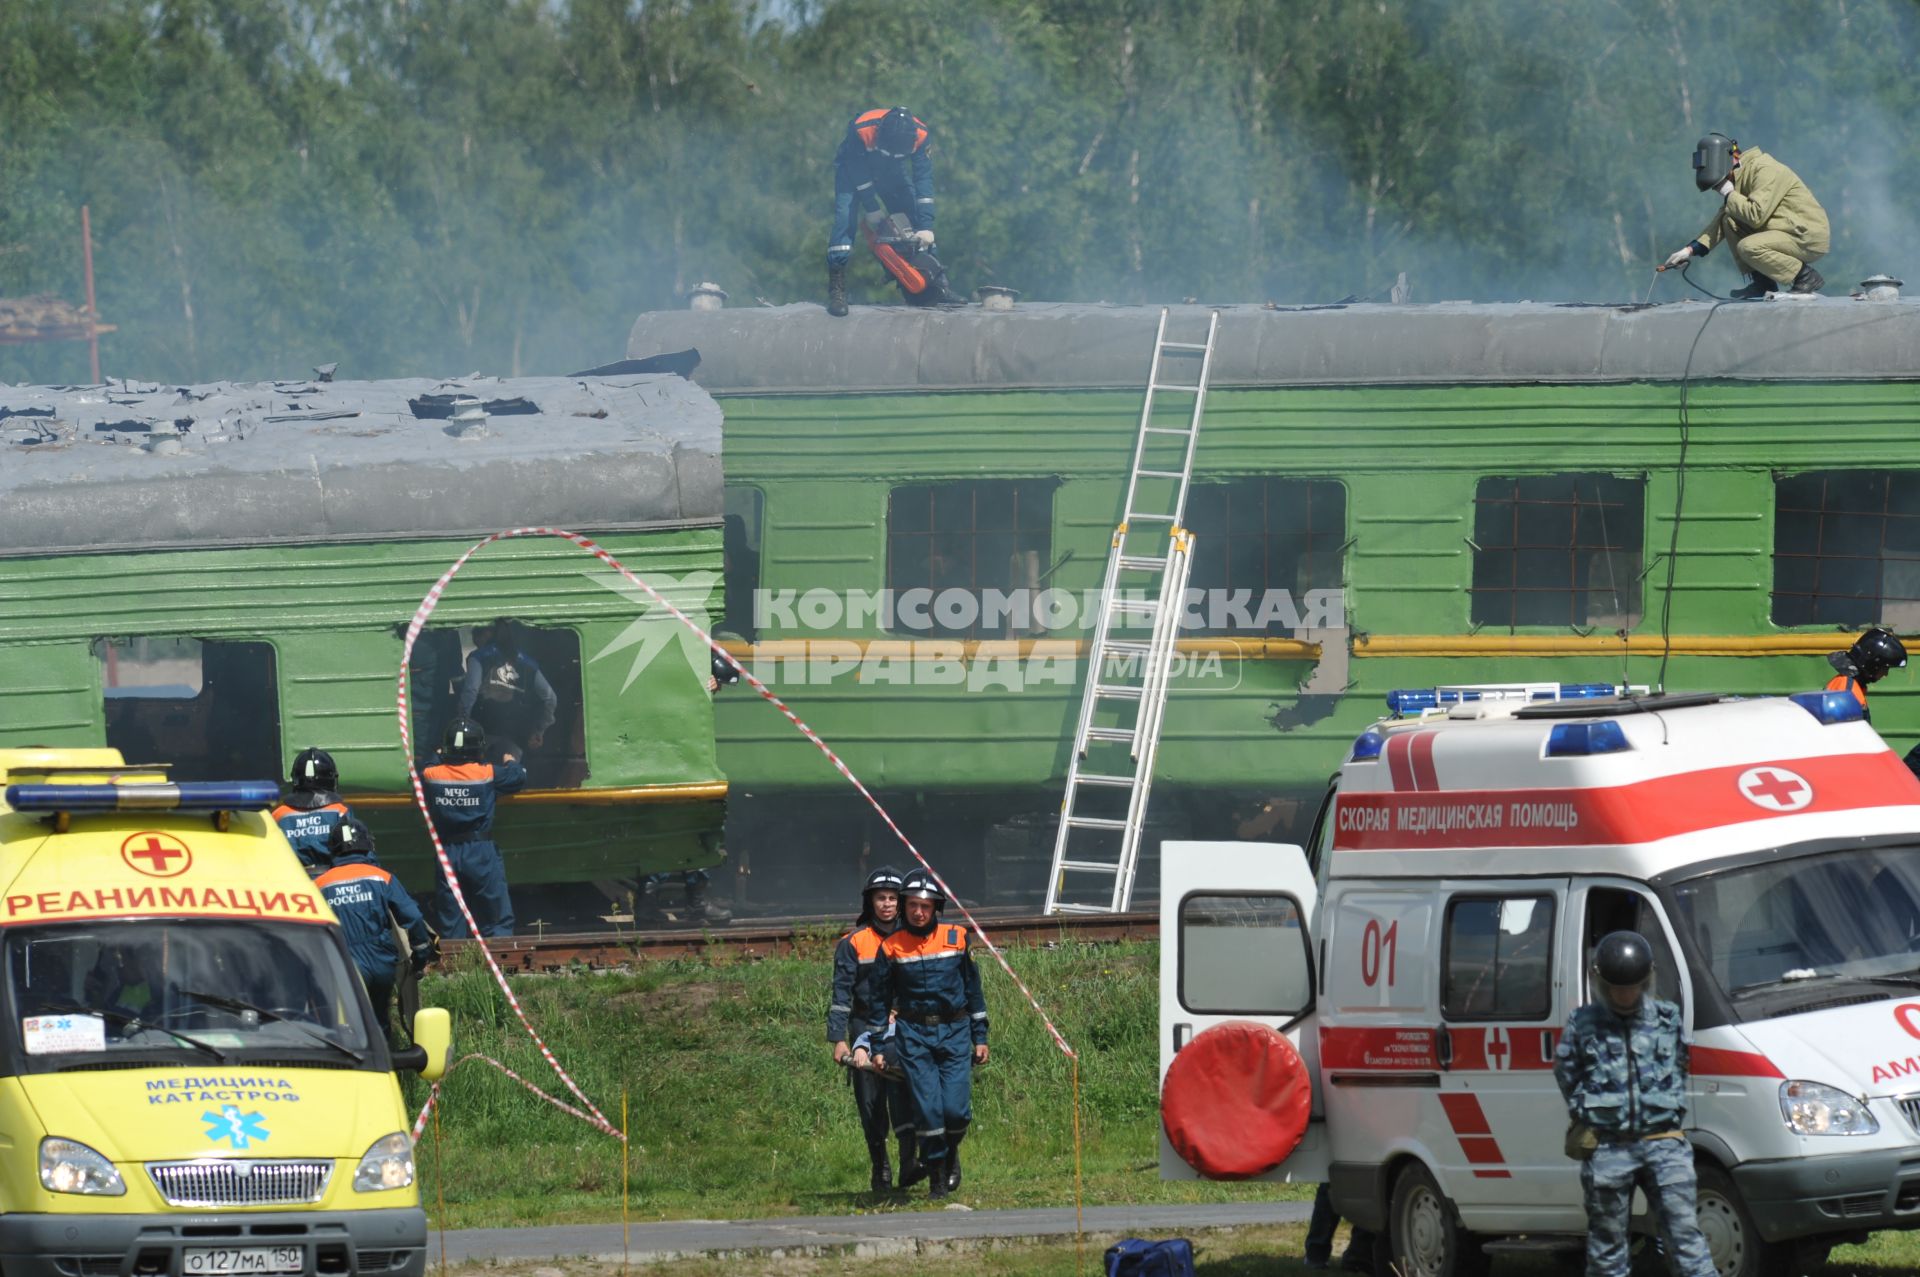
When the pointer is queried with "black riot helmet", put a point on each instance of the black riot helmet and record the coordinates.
(921, 885)
(313, 769)
(1624, 959)
(350, 837)
(1875, 653)
(897, 133)
(1715, 156)
(465, 741)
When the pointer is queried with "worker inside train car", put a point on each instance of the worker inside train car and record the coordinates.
(506, 693)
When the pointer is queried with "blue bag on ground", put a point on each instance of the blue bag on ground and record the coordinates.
(1132, 1257)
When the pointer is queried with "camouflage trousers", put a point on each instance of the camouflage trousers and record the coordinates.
(1663, 1170)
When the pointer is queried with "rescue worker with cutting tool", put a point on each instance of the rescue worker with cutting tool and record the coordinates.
(1872, 657)
(461, 791)
(1622, 1069)
(927, 976)
(368, 900)
(856, 1012)
(883, 171)
(312, 811)
(1768, 217)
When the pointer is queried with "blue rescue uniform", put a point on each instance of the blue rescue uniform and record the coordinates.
(460, 797)
(308, 818)
(862, 175)
(1626, 1078)
(932, 986)
(857, 1009)
(368, 901)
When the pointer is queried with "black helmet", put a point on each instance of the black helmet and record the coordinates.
(885, 878)
(897, 133)
(465, 740)
(350, 837)
(1715, 156)
(1623, 959)
(1875, 653)
(921, 885)
(314, 769)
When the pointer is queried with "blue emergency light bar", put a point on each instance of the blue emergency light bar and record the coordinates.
(1577, 740)
(209, 795)
(1411, 700)
(1831, 707)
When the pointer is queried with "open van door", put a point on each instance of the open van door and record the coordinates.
(1236, 944)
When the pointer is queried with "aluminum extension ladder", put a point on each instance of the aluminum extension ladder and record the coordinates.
(1097, 849)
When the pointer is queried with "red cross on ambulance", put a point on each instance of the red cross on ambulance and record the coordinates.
(1774, 788)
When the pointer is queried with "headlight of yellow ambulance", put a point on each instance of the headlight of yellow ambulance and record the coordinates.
(1814, 1108)
(68, 1166)
(388, 1164)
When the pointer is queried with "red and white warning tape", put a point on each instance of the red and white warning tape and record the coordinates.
(433, 1096)
(425, 610)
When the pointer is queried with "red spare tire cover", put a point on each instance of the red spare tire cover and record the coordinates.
(1236, 1100)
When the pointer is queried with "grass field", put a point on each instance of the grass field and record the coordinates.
(736, 1111)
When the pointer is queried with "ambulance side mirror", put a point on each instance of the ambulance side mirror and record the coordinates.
(432, 1051)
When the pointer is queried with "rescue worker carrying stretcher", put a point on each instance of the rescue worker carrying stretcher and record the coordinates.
(926, 974)
(368, 900)
(313, 811)
(1622, 1069)
(883, 172)
(856, 1011)
(1872, 657)
(461, 789)
(1768, 217)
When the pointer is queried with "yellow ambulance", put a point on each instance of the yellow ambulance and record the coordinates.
(191, 1078)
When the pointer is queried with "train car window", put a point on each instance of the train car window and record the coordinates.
(746, 514)
(979, 546)
(210, 707)
(466, 669)
(1558, 549)
(1846, 548)
(1261, 543)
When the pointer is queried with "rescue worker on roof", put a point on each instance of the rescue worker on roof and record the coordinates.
(461, 789)
(883, 163)
(312, 811)
(1769, 219)
(925, 974)
(368, 900)
(506, 693)
(1872, 657)
(855, 1012)
(1622, 1069)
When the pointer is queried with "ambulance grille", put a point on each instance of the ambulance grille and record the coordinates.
(1910, 1109)
(237, 1182)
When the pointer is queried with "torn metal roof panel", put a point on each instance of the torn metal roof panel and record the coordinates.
(142, 466)
(1038, 345)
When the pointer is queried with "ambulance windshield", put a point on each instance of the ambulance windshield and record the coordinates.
(1799, 934)
(204, 990)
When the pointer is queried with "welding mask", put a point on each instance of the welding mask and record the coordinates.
(1715, 156)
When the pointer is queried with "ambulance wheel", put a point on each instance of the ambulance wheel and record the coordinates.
(1732, 1239)
(1424, 1237)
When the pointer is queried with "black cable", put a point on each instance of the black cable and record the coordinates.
(1698, 288)
(1680, 489)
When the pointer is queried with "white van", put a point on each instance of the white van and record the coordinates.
(1422, 958)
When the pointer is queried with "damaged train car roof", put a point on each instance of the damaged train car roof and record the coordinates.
(800, 349)
(138, 466)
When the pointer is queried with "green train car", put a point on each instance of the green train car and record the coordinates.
(1704, 497)
(217, 577)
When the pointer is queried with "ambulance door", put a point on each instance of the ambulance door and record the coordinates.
(1503, 999)
(1236, 943)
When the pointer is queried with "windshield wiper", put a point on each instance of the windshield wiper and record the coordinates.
(121, 1017)
(235, 1004)
(1821, 979)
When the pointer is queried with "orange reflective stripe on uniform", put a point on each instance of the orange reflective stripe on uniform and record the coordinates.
(349, 873)
(866, 944)
(459, 772)
(867, 125)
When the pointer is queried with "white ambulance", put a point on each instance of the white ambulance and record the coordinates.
(1380, 1012)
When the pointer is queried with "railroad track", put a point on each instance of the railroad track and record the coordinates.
(770, 937)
